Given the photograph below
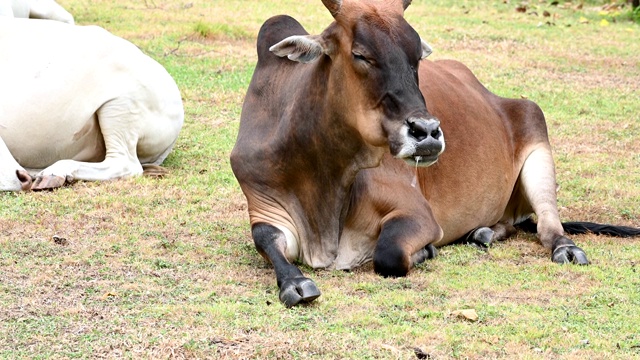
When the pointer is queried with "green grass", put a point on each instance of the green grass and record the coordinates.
(166, 268)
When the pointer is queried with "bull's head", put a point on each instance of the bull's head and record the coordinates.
(374, 55)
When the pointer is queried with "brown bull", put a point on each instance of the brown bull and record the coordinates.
(349, 99)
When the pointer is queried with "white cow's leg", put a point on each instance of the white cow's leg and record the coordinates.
(49, 9)
(120, 121)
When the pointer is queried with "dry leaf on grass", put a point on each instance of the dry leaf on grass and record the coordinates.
(108, 295)
(469, 314)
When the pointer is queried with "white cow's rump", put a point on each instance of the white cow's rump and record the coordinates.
(78, 103)
(35, 9)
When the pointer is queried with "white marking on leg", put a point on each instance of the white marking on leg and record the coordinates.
(292, 252)
(539, 184)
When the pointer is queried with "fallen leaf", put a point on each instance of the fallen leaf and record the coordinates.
(108, 295)
(546, 13)
(604, 22)
(469, 314)
(521, 8)
(583, 20)
(59, 240)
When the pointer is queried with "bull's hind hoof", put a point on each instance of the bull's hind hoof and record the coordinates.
(564, 254)
(481, 237)
(298, 290)
(48, 182)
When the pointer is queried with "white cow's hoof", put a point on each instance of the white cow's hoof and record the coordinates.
(48, 182)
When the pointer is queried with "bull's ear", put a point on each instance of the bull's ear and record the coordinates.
(426, 49)
(299, 48)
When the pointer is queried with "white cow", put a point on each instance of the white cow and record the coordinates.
(35, 9)
(78, 103)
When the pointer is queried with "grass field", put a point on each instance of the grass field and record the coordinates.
(166, 268)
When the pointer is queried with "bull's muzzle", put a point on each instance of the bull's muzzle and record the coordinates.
(428, 141)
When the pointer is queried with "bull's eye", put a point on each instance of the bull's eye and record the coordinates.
(360, 57)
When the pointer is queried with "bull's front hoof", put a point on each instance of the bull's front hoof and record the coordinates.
(297, 290)
(565, 254)
(48, 182)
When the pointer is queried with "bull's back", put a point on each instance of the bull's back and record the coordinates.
(472, 182)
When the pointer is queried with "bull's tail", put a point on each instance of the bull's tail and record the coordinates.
(582, 227)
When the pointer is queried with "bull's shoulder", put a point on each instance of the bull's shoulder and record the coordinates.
(273, 31)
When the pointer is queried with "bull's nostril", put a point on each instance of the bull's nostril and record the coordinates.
(416, 132)
(421, 129)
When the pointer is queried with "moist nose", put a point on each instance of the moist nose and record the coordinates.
(421, 129)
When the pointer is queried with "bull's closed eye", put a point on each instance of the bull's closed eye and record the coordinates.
(360, 57)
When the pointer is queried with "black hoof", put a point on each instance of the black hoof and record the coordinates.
(297, 290)
(432, 252)
(564, 254)
(480, 238)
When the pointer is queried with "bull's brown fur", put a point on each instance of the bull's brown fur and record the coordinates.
(314, 151)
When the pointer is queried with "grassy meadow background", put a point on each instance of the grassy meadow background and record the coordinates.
(166, 268)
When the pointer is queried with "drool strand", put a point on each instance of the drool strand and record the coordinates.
(415, 176)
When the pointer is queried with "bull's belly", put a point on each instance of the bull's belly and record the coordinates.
(458, 213)
(355, 249)
(457, 218)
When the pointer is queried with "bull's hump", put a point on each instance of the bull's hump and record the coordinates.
(275, 30)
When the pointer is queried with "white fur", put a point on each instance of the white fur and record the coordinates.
(65, 90)
(292, 251)
(8, 167)
(35, 9)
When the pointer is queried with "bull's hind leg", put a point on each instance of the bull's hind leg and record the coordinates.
(484, 236)
(538, 185)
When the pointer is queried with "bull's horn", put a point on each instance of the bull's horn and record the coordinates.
(406, 3)
(334, 6)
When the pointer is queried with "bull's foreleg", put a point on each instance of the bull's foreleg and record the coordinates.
(294, 287)
(539, 186)
(402, 244)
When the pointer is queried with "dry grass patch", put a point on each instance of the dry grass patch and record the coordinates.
(166, 268)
